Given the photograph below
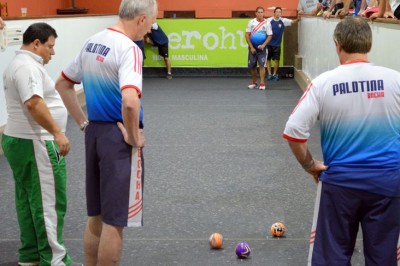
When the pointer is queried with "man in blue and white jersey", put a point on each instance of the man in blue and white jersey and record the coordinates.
(110, 68)
(358, 105)
(258, 35)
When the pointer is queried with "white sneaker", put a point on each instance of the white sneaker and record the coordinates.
(252, 86)
(262, 87)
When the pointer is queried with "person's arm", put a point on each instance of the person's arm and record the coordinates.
(269, 35)
(317, 8)
(363, 7)
(388, 12)
(67, 92)
(341, 13)
(130, 116)
(262, 46)
(328, 12)
(252, 49)
(41, 114)
(296, 20)
(381, 12)
(2, 24)
(148, 40)
(305, 159)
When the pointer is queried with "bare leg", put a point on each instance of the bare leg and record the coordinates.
(91, 240)
(110, 246)
(269, 67)
(168, 64)
(276, 66)
(254, 74)
(262, 75)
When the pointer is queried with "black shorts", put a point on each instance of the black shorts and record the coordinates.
(274, 53)
(163, 50)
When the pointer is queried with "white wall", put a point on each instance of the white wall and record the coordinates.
(317, 48)
(316, 45)
(72, 32)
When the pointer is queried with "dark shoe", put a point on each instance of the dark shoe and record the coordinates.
(169, 76)
(275, 77)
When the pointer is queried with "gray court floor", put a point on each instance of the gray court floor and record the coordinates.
(215, 161)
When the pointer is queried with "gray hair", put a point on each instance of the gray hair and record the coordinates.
(129, 9)
(354, 35)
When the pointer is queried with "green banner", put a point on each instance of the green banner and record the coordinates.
(202, 43)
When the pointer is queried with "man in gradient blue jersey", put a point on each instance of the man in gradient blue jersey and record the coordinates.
(358, 105)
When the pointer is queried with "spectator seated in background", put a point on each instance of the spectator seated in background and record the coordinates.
(357, 6)
(309, 7)
(387, 9)
(325, 6)
(335, 6)
(367, 5)
(338, 8)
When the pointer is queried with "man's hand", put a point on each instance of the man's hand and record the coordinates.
(341, 13)
(326, 14)
(316, 169)
(141, 141)
(63, 143)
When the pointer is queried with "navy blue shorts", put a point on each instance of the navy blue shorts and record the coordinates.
(338, 213)
(114, 176)
(260, 56)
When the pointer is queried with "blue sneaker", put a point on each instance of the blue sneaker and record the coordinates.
(269, 77)
(275, 77)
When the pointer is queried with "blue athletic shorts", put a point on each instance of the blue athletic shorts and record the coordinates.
(260, 56)
(114, 176)
(338, 214)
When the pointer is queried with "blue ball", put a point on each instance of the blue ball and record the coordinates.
(258, 38)
(242, 250)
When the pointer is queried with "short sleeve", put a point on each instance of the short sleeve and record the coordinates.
(131, 69)
(304, 115)
(73, 72)
(248, 28)
(29, 82)
(268, 27)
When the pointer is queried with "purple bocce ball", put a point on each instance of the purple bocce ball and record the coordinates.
(242, 250)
